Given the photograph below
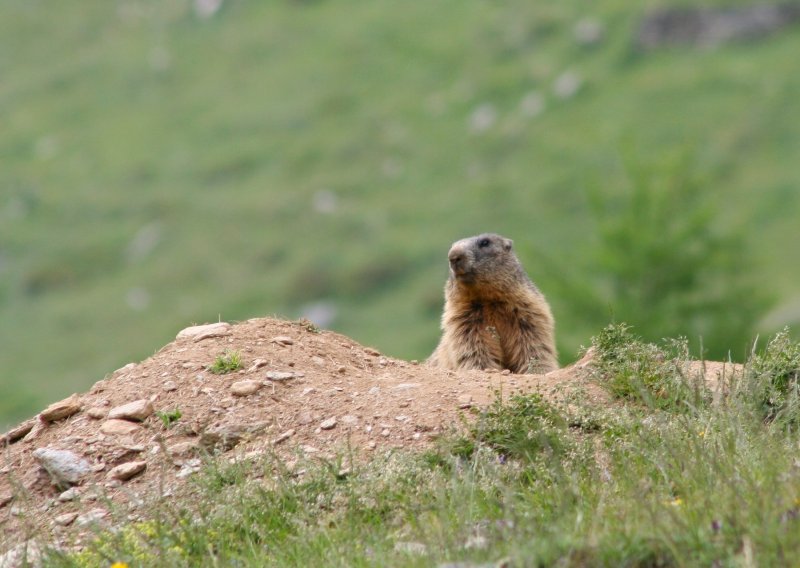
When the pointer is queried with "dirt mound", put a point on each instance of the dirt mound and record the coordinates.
(299, 391)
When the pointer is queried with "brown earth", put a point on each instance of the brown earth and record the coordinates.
(329, 394)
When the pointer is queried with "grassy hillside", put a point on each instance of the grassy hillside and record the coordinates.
(160, 168)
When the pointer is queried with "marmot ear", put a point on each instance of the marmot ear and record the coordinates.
(507, 244)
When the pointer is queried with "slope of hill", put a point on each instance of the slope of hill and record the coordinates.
(161, 167)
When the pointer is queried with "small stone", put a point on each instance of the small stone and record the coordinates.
(372, 445)
(116, 427)
(328, 424)
(64, 467)
(371, 351)
(39, 426)
(404, 386)
(92, 517)
(281, 375)
(257, 364)
(137, 410)
(16, 433)
(318, 361)
(27, 553)
(69, 495)
(282, 340)
(227, 436)
(200, 332)
(183, 449)
(61, 409)
(283, 437)
(5, 499)
(245, 388)
(126, 471)
(465, 401)
(505, 372)
(305, 418)
(97, 412)
(341, 369)
(169, 386)
(66, 519)
(350, 420)
(567, 85)
(385, 432)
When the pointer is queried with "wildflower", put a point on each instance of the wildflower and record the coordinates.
(119, 565)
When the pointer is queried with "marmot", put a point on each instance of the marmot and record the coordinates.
(494, 316)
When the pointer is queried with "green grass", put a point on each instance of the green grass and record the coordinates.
(165, 173)
(633, 485)
(226, 362)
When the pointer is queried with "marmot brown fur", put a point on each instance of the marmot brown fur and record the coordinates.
(494, 316)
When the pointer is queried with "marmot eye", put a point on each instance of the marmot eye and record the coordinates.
(483, 243)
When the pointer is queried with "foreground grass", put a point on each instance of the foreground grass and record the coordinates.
(691, 483)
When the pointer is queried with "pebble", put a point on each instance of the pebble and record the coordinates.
(116, 427)
(465, 401)
(170, 386)
(245, 388)
(328, 424)
(92, 517)
(69, 495)
(183, 449)
(64, 467)
(371, 351)
(137, 410)
(283, 437)
(66, 519)
(200, 332)
(283, 340)
(61, 409)
(282, 375)
(126, 471)
(97, 412)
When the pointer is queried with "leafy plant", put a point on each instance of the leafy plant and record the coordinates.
(644, 372)
(169, 417)
(773, 377)
(226, 362)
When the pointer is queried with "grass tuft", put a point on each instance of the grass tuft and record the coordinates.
(226, 362)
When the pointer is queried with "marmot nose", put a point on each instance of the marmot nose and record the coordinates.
(456, 258)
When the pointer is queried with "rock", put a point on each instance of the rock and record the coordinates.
(25, 554)
(589, 31)
(350, 420)
(328, 424)
(126, 471)
(283, 375)
(137, 410)
(39, 426)
(183, 449)
(169, 386)
(245, 388)
(283, 437)
(710, 27)
(16, 433)
(61, 409)
(257, 364)
(66, 519)
(69, 495)
(465, 401)
(225, 437)
(64, 467)
(116, 427)
(92, 517)
(97, 412)
(371, 351)
(200, 332)
(282, 340)
(5, 499)
(567, 85)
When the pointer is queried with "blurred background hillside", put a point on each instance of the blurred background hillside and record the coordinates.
(174, 162)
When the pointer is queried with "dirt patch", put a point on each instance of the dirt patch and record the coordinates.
(299, 392)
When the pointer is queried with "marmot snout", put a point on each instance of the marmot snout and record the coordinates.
(494, 316)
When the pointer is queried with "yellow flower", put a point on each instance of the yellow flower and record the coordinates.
(119, 565)
(677, 502)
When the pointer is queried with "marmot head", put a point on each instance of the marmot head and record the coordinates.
(473, 258)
